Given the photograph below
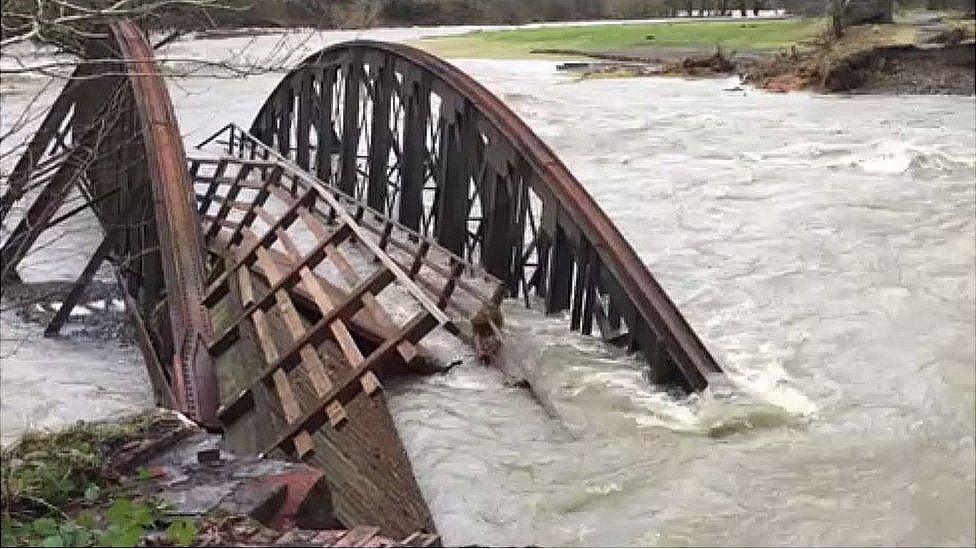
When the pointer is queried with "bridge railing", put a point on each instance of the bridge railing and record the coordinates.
(487, 289)
(413, 137)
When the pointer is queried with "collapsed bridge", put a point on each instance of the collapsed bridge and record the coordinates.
(277, 274)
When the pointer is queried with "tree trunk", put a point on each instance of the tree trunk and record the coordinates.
(837, 18)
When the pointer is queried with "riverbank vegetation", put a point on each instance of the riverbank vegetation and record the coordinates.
(59, 489)
(919, 52)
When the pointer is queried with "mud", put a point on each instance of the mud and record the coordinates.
(929, 69)
(947, 70)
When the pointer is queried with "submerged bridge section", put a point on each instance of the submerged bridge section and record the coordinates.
(277, 275)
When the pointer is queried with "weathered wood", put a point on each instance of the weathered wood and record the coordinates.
(451, 283)
(312, 337)
(313, 258)
(407, 350)
(363, 324)
(351, 384)
(219, 287)
(204, 201)
(361, 236)
(250, 213)
(322, 300)
(293, 321)
(235, 189)
(303, 441)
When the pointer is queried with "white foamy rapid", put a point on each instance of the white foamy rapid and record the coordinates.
(822, 247)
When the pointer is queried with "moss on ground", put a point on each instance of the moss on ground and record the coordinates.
(57, 467)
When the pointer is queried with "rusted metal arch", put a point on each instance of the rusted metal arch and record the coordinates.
(180, 240)
(113, 135)
(411, 135)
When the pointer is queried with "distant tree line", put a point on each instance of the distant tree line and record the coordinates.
(68, 23)
(46, 17)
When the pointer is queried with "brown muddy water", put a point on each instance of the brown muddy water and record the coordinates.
(822, 247)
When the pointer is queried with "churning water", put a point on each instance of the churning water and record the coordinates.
(823, 249)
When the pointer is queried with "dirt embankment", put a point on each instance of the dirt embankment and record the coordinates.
(907, 58)
(867, 60)
(909, 70)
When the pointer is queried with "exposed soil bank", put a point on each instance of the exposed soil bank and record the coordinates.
(926, 53)
(897, 69)
(951, 70)
(932, 68)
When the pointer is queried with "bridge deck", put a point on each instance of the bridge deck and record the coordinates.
(331, 298)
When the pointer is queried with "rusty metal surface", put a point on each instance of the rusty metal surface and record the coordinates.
(177, 227)
(411, 135)
(398, 133)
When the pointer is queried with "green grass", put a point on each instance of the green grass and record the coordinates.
(57, 492)
(756, 36)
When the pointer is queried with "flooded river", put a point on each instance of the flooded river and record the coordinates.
(823, 249)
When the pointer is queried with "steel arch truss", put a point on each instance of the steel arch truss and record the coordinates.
(411, 136)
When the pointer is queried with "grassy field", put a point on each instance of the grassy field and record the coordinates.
(757, 36)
